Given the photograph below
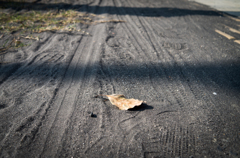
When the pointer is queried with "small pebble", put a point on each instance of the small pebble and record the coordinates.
(93, 115)
(214, 140)
(214, 93)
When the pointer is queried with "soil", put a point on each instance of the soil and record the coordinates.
(166, 53)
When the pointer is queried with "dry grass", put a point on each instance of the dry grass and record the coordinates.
(34, 21)
(27, 22)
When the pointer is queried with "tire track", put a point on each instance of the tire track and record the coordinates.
(209, 78)
(174, 94)
(30, 136)
(87, 83)
(170, 143)
(165, 72)
(64, 113)
(179, 100)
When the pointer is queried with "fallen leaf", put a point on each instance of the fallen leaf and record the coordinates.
(122, 103)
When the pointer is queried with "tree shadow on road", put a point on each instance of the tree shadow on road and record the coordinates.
(139, 11)
(225, 75)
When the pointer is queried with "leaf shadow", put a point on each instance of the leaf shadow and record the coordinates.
(142, 107)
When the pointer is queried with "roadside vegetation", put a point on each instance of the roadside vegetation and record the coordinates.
(27, 23)
(35, 21)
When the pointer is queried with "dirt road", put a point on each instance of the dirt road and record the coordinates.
(167, 53)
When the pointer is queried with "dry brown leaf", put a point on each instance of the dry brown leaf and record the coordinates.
(122, 103)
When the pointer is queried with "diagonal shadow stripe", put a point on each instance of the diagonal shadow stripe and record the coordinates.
(225, 75)
(140, 11)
